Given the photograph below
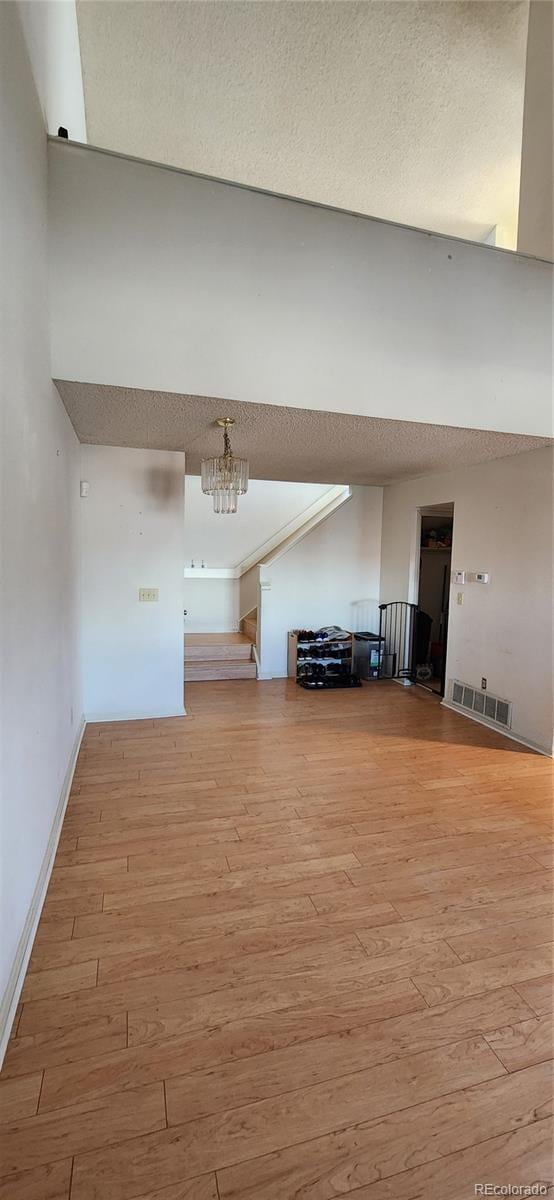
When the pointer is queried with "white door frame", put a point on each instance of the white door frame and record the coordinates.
(415, 557)
(415, 544)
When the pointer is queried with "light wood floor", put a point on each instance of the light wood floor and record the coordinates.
(295, 945)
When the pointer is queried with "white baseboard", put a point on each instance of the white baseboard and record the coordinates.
(507, 733)
(15, 982)
(98, 718)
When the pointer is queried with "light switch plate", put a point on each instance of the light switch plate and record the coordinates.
(460, 598)
(149, 594)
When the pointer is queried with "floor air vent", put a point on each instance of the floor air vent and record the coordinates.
(498, 712)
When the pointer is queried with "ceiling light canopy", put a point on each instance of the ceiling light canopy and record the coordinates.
(226, 477)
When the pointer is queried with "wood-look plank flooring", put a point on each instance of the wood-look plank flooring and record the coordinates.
(294, 946)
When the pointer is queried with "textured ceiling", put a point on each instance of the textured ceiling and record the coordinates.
(410, 111)
(280, 443)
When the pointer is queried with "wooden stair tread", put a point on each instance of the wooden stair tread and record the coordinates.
(228, 654)
(220, 668)
(215, 639)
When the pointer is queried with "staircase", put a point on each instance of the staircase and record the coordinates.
(218, 656)
(249, 625)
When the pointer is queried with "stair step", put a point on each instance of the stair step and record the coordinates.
(219, 669)
(210, 651)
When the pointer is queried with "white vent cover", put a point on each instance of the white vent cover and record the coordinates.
(491, 708)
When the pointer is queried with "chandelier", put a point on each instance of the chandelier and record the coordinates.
(225, 478)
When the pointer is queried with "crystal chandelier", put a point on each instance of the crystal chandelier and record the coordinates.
(225, 478)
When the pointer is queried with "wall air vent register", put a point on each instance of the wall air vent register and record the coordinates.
(490, 708)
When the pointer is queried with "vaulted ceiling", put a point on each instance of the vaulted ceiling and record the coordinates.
(407, 110)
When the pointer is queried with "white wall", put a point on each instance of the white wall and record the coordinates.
(503, 630)
(324, 579)
(132, 536)
(267, 507)
(199, 287)
(52, 37)
(212, 605)
(40, 718)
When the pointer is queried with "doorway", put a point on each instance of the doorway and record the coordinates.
(435, 559)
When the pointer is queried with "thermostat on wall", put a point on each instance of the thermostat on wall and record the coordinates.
(458, 577)
(482, 577)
